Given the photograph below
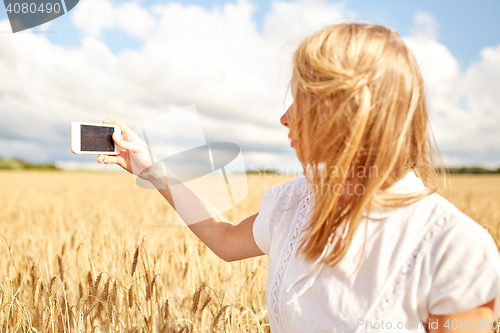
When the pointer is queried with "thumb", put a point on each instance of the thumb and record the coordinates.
(121, 143)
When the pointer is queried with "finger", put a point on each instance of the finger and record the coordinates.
(116, 160)
(101, 157)
(119, 122)
(111, 159)
(121, 143)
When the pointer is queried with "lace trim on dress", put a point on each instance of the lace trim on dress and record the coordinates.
(395, 292)
(283, 263)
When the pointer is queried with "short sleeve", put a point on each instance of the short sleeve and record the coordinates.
(465, 268)
(261, 231)
(276, 205)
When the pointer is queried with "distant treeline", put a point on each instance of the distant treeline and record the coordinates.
(18, 164)
(475, 170)
(464, 170)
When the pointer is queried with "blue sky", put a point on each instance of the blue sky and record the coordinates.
(464, 27)
(136, 59)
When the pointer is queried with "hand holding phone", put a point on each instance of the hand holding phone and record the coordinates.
(94, 138)
(134, 156)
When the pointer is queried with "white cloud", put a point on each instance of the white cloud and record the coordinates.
(300, 18)
(425, 26)
(93, 16)
(217, 59)
(463, 106)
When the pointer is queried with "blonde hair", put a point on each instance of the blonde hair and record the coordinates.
(358, 106)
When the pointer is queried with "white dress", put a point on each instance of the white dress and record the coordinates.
(425, 258)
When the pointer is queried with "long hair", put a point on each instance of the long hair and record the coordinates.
(359, 110)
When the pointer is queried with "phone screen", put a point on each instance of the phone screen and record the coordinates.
(97, 138)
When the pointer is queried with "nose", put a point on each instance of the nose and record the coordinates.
(285, 120)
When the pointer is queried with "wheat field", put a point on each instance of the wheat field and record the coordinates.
(92, 252)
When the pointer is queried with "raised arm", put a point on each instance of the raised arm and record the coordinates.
(229, 242)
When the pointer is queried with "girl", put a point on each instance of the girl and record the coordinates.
(361, 242)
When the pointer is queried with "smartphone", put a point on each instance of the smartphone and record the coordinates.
(93, 138)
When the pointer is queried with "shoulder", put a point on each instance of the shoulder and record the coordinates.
(277, 206)
(462, 261)
(294, 186)
(283, 197)
(456, 222)
(451, 227)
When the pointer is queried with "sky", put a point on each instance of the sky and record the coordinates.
(139, 59)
